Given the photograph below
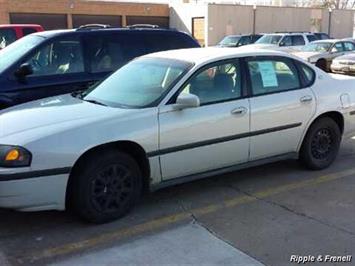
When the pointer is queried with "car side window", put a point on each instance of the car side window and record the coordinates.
(109, 52)
(349, 46)
(338, 47)
(286, 41)
(297, 40)
(244, 40)
(27, 31)
(7, 36)
(272, 75)
(308, 74)
(62, 56)
(217, 83)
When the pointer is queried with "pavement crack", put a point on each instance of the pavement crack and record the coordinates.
(286, 208)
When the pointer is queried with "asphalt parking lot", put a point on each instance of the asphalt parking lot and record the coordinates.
(256, 216)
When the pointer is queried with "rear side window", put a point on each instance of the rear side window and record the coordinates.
(245, 40)
(272, 75)
(27, 31)
(349, 46)
(158, 41)
(7, 36)
(297, 40)
(307, 73)
(109, 52)
(338, 47)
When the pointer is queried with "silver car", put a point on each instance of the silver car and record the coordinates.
(321, 53)
(344, 64)
(168, 118)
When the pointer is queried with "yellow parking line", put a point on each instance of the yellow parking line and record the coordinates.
(171, 219)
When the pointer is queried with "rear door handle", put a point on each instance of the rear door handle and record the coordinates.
(239, 111)
(306, 99)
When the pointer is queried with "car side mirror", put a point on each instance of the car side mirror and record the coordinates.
(24, 70)
(186, 100)
(282, 44)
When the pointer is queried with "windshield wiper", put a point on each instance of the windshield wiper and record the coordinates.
(94, 102)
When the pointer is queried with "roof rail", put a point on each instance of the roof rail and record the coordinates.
(143, 26)
(94, 26)
(293, 31)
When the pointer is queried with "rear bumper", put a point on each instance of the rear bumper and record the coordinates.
(34, 193)
(343, 69)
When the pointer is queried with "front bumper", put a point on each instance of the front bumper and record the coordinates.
(33, 193)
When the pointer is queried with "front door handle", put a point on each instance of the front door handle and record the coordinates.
(306, 99)
(239, 111)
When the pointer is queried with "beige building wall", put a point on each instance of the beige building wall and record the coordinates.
(228, 19)
(235, 19)
(271, 19)
(181, 15)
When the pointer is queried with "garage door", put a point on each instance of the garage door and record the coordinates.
(78, 20)
(160, 21)
(48, 21)
(198, 30)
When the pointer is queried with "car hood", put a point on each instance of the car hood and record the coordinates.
(306, 55)
(52, 111)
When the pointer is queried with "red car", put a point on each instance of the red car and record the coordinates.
(11, 32)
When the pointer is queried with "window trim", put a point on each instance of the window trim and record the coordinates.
(273, 58)
(244, 93)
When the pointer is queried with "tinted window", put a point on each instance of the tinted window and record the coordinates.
(244, 40)
(286, 41)
(297, 40)
(7, 36)
(156, 41)
(61, 56)
(109, 52)
(272, 75)
(27, 31)
(311, 38)
(349, 46)
(220, 82)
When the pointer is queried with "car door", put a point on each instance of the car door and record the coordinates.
(282, 103)
(58, 68)
(213, 135)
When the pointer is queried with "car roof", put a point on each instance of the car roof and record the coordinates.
(328, 41)
(53, 33)
(198, 55)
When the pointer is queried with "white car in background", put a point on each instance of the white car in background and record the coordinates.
(285, 41)
(168, 118)
(321, 53)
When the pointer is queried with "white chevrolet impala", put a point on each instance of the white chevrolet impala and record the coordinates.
(168, 118)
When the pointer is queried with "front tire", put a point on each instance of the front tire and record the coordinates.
(321, 144)
(106, 187)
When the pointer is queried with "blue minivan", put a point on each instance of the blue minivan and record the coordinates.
(63, 61)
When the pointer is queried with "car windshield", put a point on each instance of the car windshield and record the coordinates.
(140, 83)
(229, 40)
(317, 47)
(12, 53)
(269, 39)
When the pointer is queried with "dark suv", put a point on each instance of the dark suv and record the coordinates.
(58, 62)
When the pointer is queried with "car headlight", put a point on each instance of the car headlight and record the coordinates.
(14, 156)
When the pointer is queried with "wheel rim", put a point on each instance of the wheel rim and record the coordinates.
(321, 144)
(111, 188)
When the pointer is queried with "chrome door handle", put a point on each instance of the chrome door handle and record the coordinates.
(239, 111)
(306, 99)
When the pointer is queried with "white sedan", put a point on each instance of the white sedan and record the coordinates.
(168, 118)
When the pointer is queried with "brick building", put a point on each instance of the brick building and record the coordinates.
(57, 14)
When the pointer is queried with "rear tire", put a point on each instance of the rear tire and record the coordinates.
(106, 187)
(321, 144)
